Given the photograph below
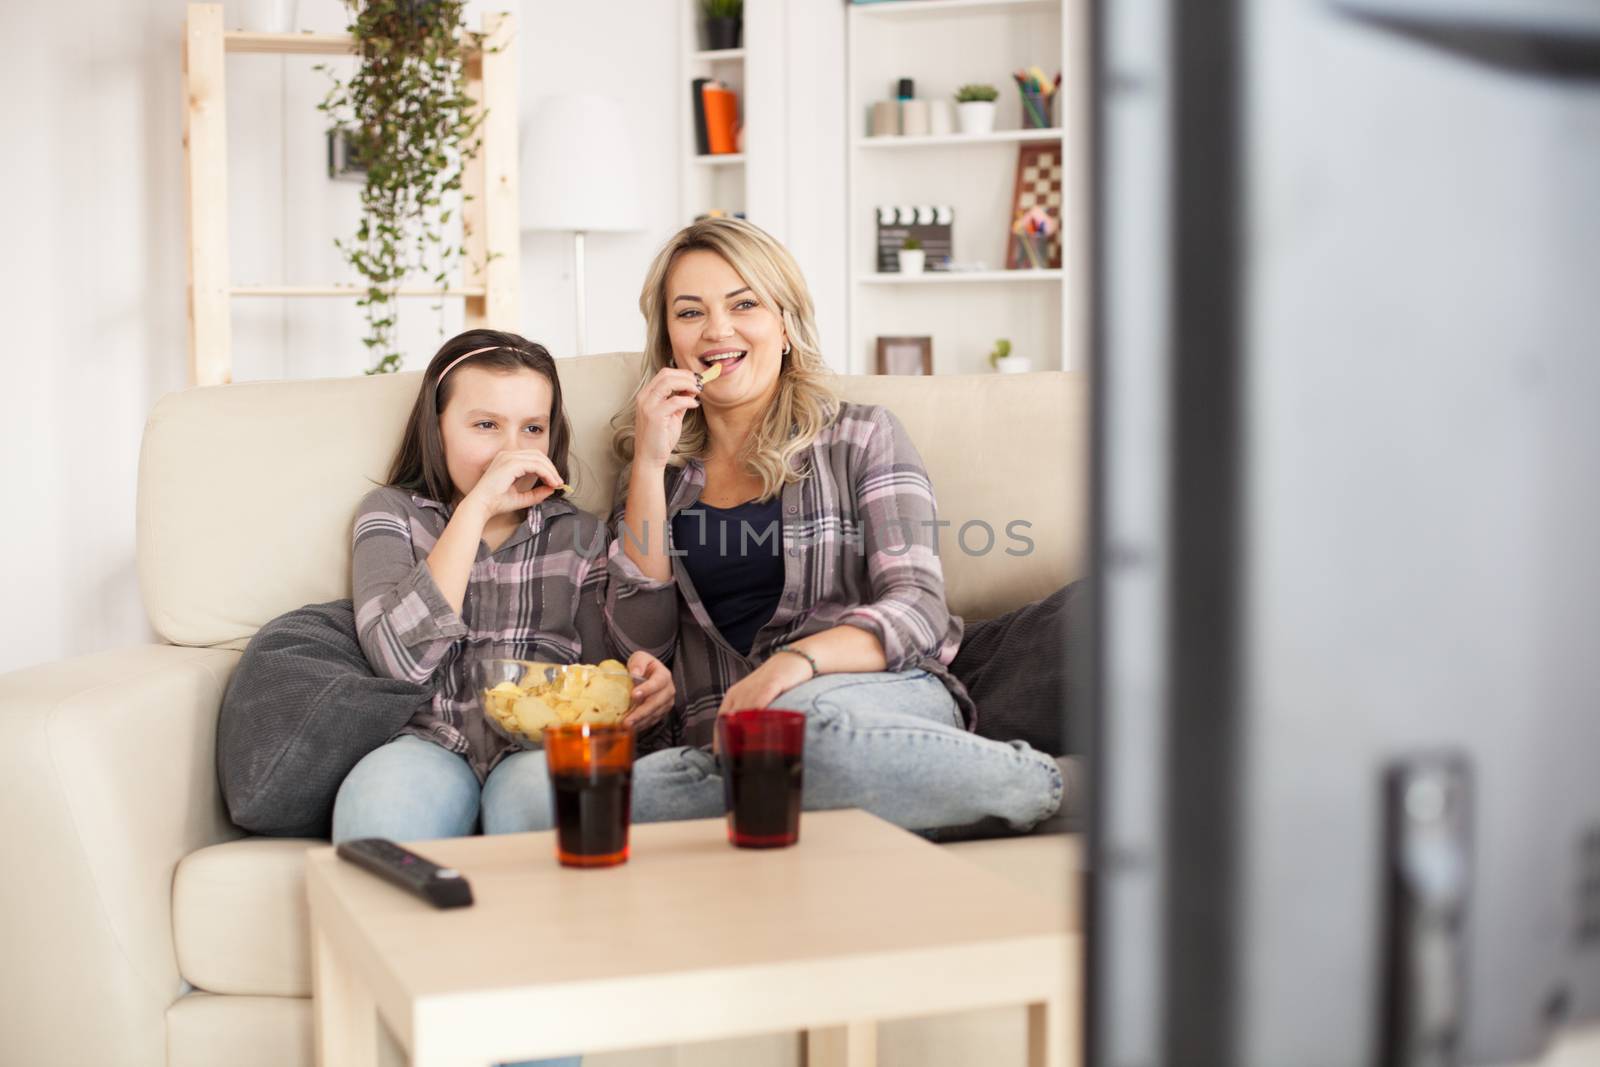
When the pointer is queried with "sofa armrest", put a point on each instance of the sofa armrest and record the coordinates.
(107, 779)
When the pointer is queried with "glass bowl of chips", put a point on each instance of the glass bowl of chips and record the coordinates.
(521, 697)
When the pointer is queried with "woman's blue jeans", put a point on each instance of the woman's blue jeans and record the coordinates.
(889, 743)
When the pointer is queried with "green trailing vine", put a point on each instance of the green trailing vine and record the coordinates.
(411, 126)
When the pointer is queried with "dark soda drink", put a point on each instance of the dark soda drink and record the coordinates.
(762, 792)
(762, 750)
(592, 816)
(591, 783)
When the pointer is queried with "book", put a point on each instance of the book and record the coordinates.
(702, 143)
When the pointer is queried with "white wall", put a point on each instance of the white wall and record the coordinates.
(92, 268)
(284, 210)
(92, 282)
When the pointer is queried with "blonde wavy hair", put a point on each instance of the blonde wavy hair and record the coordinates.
(805, 403)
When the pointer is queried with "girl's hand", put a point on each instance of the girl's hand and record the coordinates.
(658, 413)
(513, 481)
(654, 696)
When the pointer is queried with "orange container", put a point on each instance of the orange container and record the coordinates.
(722, 119)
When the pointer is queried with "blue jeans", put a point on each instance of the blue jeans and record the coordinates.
(412, 790)
(889, 743)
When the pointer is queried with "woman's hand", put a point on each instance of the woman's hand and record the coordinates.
(779, 674)
(653, 697)
(513, 481)
(658, 413)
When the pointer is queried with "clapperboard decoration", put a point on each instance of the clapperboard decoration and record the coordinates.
(928, 223)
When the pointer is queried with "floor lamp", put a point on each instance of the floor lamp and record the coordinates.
(579, 177)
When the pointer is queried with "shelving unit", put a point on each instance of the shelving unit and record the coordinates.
(941, 140)
(491, 267)
(941, 45)
(965, 277)
(709, 182)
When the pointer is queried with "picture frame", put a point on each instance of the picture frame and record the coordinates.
(905, 355)
(342, 163)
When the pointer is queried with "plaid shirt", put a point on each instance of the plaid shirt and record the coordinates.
(540, 595)
(860, 549)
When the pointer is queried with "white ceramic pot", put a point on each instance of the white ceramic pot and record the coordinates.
(976, 116)
(912, 260)
(1015, 365)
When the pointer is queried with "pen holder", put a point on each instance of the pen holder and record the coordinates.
(1038, 110)
(1034, 251)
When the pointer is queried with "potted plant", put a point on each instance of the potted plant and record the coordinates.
(975, 108)
(912, 256)
(724, 20)
(1003, 361)
(411, 127)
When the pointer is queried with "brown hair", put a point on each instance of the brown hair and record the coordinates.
(419, 464)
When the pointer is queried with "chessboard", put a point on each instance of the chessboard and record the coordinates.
(1038, 185)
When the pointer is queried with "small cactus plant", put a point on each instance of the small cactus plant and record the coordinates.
(1002, 349)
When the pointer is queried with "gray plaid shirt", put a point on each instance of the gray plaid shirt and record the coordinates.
(860, 549)
(540, 595)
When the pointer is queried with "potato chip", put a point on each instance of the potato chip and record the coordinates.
(611, 693)
(534, 713)
(573, 682)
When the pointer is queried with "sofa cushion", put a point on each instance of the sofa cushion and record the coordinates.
(1018, 671)
(299, 713)
(241, 922)
(247, 493)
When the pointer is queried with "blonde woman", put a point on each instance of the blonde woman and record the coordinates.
(797, 531)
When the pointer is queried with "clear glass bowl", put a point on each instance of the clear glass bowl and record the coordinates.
(521, 697)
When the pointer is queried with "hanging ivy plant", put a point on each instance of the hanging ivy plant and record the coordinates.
(411, 126)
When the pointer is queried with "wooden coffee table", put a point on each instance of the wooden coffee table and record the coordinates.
(691, 940)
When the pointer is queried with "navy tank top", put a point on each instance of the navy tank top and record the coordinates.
(734, 556)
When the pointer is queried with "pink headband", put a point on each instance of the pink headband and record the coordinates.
(458, 359)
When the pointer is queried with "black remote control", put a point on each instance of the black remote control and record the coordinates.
(443, 887)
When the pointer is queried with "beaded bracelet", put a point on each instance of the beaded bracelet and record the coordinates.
(801, 653)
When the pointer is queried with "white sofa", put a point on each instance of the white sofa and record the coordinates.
(139, 927)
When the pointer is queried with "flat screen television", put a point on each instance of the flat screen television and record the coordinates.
(1346, 579)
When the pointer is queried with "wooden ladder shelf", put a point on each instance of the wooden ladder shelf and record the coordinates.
(492, 283)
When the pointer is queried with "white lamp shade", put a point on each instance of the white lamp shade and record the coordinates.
(578, 169)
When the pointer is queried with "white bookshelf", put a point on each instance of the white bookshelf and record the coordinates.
(943, 44)
(892, 144)
(966, 277)
(709, 182)
(942, 9)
